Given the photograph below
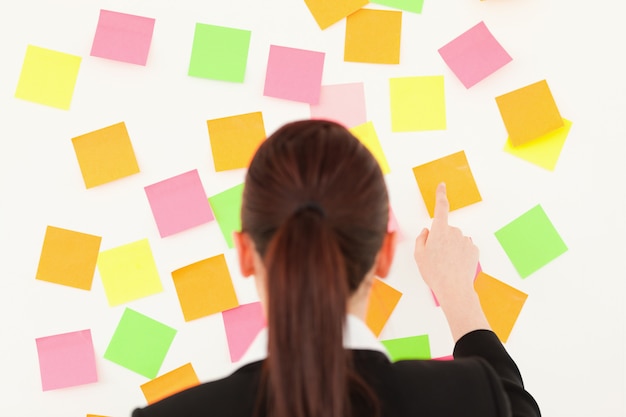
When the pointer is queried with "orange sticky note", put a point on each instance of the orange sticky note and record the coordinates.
(204, 288)
(68, 258)
(234, 139)
(373, 36)
(170, 383)
(382, 301)
(455, 171)
(105, 155)
(529, 112)
(500, 302)
(328, 12)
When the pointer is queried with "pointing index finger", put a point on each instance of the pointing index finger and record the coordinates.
(442, 206)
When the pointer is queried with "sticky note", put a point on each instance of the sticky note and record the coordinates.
(105, 155)
(500, 302)
(242, 325)
(227, 210)
(328, 12)
(219, 53)
(392, 224)
(543, 151)
(417, 103)
(529, 112)
(407, 348)
(455, 171)
(128, 272)
(170, 383)
(179, 203)
(373, 36)
(235, 139)
(294, 74)
(474, 55)
(414, 6)
(341, 103)
(123, 37)
(68, 258)
(66, 360)
(204, 288)
(140, 343)
(48, 77)
(366, 133)
(381, 303)
(531, 241)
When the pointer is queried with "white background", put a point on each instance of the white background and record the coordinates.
(569, 339)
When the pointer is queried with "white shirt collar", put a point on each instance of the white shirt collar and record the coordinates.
(356, 336)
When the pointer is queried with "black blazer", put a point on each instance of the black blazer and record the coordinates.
(482, 381)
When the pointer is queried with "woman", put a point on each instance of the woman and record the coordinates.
(314, 236)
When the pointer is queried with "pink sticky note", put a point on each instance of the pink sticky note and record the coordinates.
(66, 360)
(242, 325)
(474, 55)
(123, 37)
(341, 103)
(179, 203)
(294, 74)
(479, 269)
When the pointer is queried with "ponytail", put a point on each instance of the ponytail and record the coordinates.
(307, 367)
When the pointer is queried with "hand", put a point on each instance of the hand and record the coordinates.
(446, 259)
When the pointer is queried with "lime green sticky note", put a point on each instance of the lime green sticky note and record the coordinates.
(140, 343)
(543, 151)
(531, 241)
(219, 53)
(48, 77)
(128, 272)
(368, 137)
(417, 103)
(414, 6)
(226, 208)
(404, 348)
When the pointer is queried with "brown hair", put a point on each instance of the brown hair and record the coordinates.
(316, 207)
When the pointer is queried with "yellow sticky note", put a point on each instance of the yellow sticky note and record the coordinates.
(170, 383)
(128, 272)
(367, 135)
(234, 139)
(417, 103)
(204, 288)
(328, 12)
(68, 258)
(373, 36)
(455, 171)
(529, 112)
(105, 155)
(501, 303)
(382, 301)
(543, 151)
(48, 77)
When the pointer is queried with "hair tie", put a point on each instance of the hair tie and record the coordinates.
(311, 206)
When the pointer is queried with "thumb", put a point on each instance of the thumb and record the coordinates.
(420, 240)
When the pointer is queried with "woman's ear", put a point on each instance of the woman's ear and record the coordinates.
(385, 255)
(245, 253)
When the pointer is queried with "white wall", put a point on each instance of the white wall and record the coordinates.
(569, 339)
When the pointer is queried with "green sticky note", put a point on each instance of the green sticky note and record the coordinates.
(531, 241)
(140, 343)
(404, 348)
(414, 6)
(219, 53)
(226, 208)
(48, 77)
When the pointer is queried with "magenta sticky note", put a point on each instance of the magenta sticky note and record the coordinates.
(123, 37)
(66, 360)
(474, 55)
(242, 325)
(341, 103)
(294, 74)
(179, 203)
